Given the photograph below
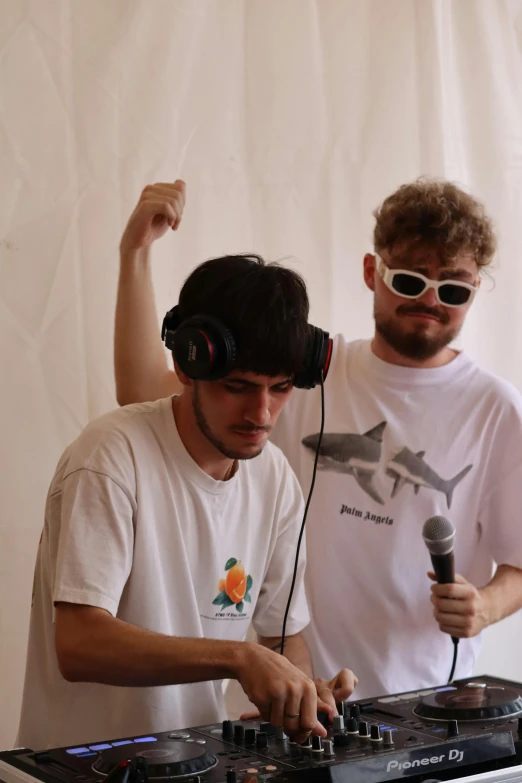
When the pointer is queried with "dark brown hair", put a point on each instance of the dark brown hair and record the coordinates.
(264, 305)
(438, 214)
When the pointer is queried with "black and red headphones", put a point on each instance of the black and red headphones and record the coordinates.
(206, 350)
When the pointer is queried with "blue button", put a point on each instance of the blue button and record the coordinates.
(446, 688)
(84, 755)
(75, 751)
(146, 739)
(101, 746)
(121, 742)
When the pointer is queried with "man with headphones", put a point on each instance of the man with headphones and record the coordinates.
(171, 526)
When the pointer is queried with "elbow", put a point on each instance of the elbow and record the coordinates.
(72, 663)
(69, 668)
(128, 396)
(122, 398)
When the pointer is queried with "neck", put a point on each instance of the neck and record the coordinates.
(384, 351)
(204, 454)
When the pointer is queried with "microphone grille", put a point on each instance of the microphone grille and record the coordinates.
(439, 535)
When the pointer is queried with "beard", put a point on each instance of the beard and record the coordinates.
(416, 344)
(210, 435)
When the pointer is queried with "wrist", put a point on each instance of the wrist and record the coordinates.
(489, 611)
(242, 658)
(134, 256)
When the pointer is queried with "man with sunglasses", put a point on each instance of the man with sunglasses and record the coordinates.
(414, 428)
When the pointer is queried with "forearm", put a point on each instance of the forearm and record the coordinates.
(296, 650)
(503, 594)
(140, 364)
(113, 652)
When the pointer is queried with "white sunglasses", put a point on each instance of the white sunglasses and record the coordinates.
(411, 285)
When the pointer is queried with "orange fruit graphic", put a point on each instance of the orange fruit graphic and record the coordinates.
(221, 585)
(235, 583)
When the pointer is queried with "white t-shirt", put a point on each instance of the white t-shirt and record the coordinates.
(135, 527)
(400, 446)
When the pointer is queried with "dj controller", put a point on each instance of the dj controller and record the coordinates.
(472, 727)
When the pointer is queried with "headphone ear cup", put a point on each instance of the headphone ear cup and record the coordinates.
(317, 361)
(204, 348)
(169, 326)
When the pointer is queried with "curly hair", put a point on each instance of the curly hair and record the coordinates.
(435, 213)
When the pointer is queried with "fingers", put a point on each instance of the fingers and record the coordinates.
(158, 209)
(449, 606)
(326, 702)
(249, 715)
(164, 193)
(343, 685)
(300, 714)
(291, 717)
(453, 590)
(277, 712)
(308, 722)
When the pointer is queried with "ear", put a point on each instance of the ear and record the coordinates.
(369, 270)
(183, 379)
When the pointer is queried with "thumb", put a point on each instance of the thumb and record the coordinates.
(181, 186)
(432, 576)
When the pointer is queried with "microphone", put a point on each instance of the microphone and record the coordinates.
(439, 536)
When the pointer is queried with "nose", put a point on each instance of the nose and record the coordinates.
(258, 409)
(429, 298)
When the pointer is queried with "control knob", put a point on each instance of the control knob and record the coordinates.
(227, 731)
(338, 723)
(375, 733)
(363, 729)
(387, 737)
(328, 747)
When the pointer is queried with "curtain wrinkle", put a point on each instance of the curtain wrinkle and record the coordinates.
(290, 122)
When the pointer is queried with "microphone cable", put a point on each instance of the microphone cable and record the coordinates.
(299, 540)
(455, 641)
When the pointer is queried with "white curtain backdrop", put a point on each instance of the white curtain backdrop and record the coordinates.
(290, 121)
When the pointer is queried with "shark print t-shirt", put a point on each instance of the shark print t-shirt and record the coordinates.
(134, 526)
(401, 445)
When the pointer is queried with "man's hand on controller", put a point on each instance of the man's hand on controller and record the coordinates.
(338, 689)
(286, 697)
(160, 207)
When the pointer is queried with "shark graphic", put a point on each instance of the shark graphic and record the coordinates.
(406, 467)
(357, 455)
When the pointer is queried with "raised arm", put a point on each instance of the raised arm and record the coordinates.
(140, 366)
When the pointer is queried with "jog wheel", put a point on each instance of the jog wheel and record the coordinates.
(473, 701)
(174, 759)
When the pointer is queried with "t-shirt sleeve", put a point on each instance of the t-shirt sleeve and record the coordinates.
(500, 513)
(95, 548)
(501, 519)
(273, 596)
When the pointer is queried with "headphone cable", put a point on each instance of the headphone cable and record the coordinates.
(299, 540)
